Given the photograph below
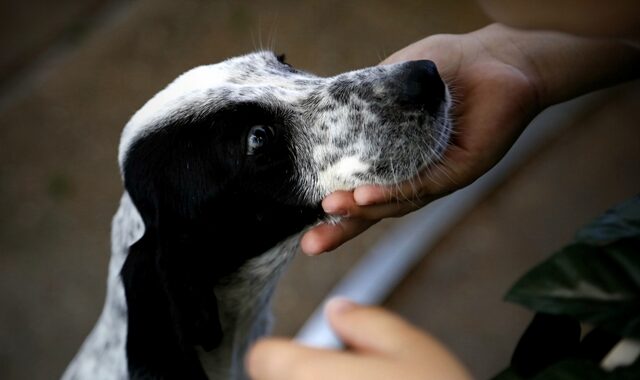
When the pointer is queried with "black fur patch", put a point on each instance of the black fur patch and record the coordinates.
(207, 208)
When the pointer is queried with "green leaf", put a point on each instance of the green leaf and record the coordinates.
(620, 222)
(572, 369)
(596, 279)
(631, 372)
(599, 285)
(547, 340)
(579, 369)
(576, 369)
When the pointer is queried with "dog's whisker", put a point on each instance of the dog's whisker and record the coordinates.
(273, 33)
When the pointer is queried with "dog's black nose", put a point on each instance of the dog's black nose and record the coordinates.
(420, 85)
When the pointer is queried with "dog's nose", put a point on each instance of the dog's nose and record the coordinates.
(420, 85)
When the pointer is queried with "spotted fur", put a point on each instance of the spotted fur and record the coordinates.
(206, 224)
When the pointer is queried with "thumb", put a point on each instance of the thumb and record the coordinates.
(372, 329)
(375, 331)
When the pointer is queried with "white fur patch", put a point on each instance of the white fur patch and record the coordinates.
(342, 174)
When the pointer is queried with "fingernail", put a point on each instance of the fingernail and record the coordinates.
(364, 197)
(317, 252)
(339, 305)
(367, 202)
(335, 211)
(310, 244)
(364, 202)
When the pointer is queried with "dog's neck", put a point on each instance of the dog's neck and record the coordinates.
(244, 299)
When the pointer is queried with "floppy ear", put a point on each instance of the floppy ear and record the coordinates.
(168, 275)
(186, 180)
(162, 323)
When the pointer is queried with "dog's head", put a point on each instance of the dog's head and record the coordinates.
(232, 158)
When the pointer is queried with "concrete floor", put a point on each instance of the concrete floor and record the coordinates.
(71, 75)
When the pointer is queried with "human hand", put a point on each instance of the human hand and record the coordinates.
(380, 346)
(495, 89)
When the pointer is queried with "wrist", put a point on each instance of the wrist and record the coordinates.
(514, 49)
(561, 66)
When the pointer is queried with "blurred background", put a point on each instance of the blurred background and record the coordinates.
(73, 71)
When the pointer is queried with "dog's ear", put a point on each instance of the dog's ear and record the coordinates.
(157, 337)
(168, 275)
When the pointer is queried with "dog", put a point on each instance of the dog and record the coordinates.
(222, 170)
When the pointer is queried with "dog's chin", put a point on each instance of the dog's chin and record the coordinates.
(414, 175)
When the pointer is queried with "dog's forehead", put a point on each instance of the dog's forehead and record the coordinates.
(253, 77)
(235, 79)
(256, 69)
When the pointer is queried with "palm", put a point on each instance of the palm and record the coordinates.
(494, 99)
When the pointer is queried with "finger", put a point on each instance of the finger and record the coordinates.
(429, 185)
(393, 209)
(279, 359)
(379, 333)
(367, 198)
(372, 329)
(339, 203)
(326, 237)
(343, 204)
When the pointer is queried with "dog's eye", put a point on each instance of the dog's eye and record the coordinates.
(259, 137)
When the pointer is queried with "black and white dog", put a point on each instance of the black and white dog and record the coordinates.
(222, 171)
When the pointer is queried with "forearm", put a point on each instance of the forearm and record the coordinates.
(569, 66)
(563, 66)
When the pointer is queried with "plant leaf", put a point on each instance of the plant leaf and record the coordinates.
(595, 284)
(573, 369)
(620, 222)
(631, 372)
(547, 340)
(578, 369)
(596, 279)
